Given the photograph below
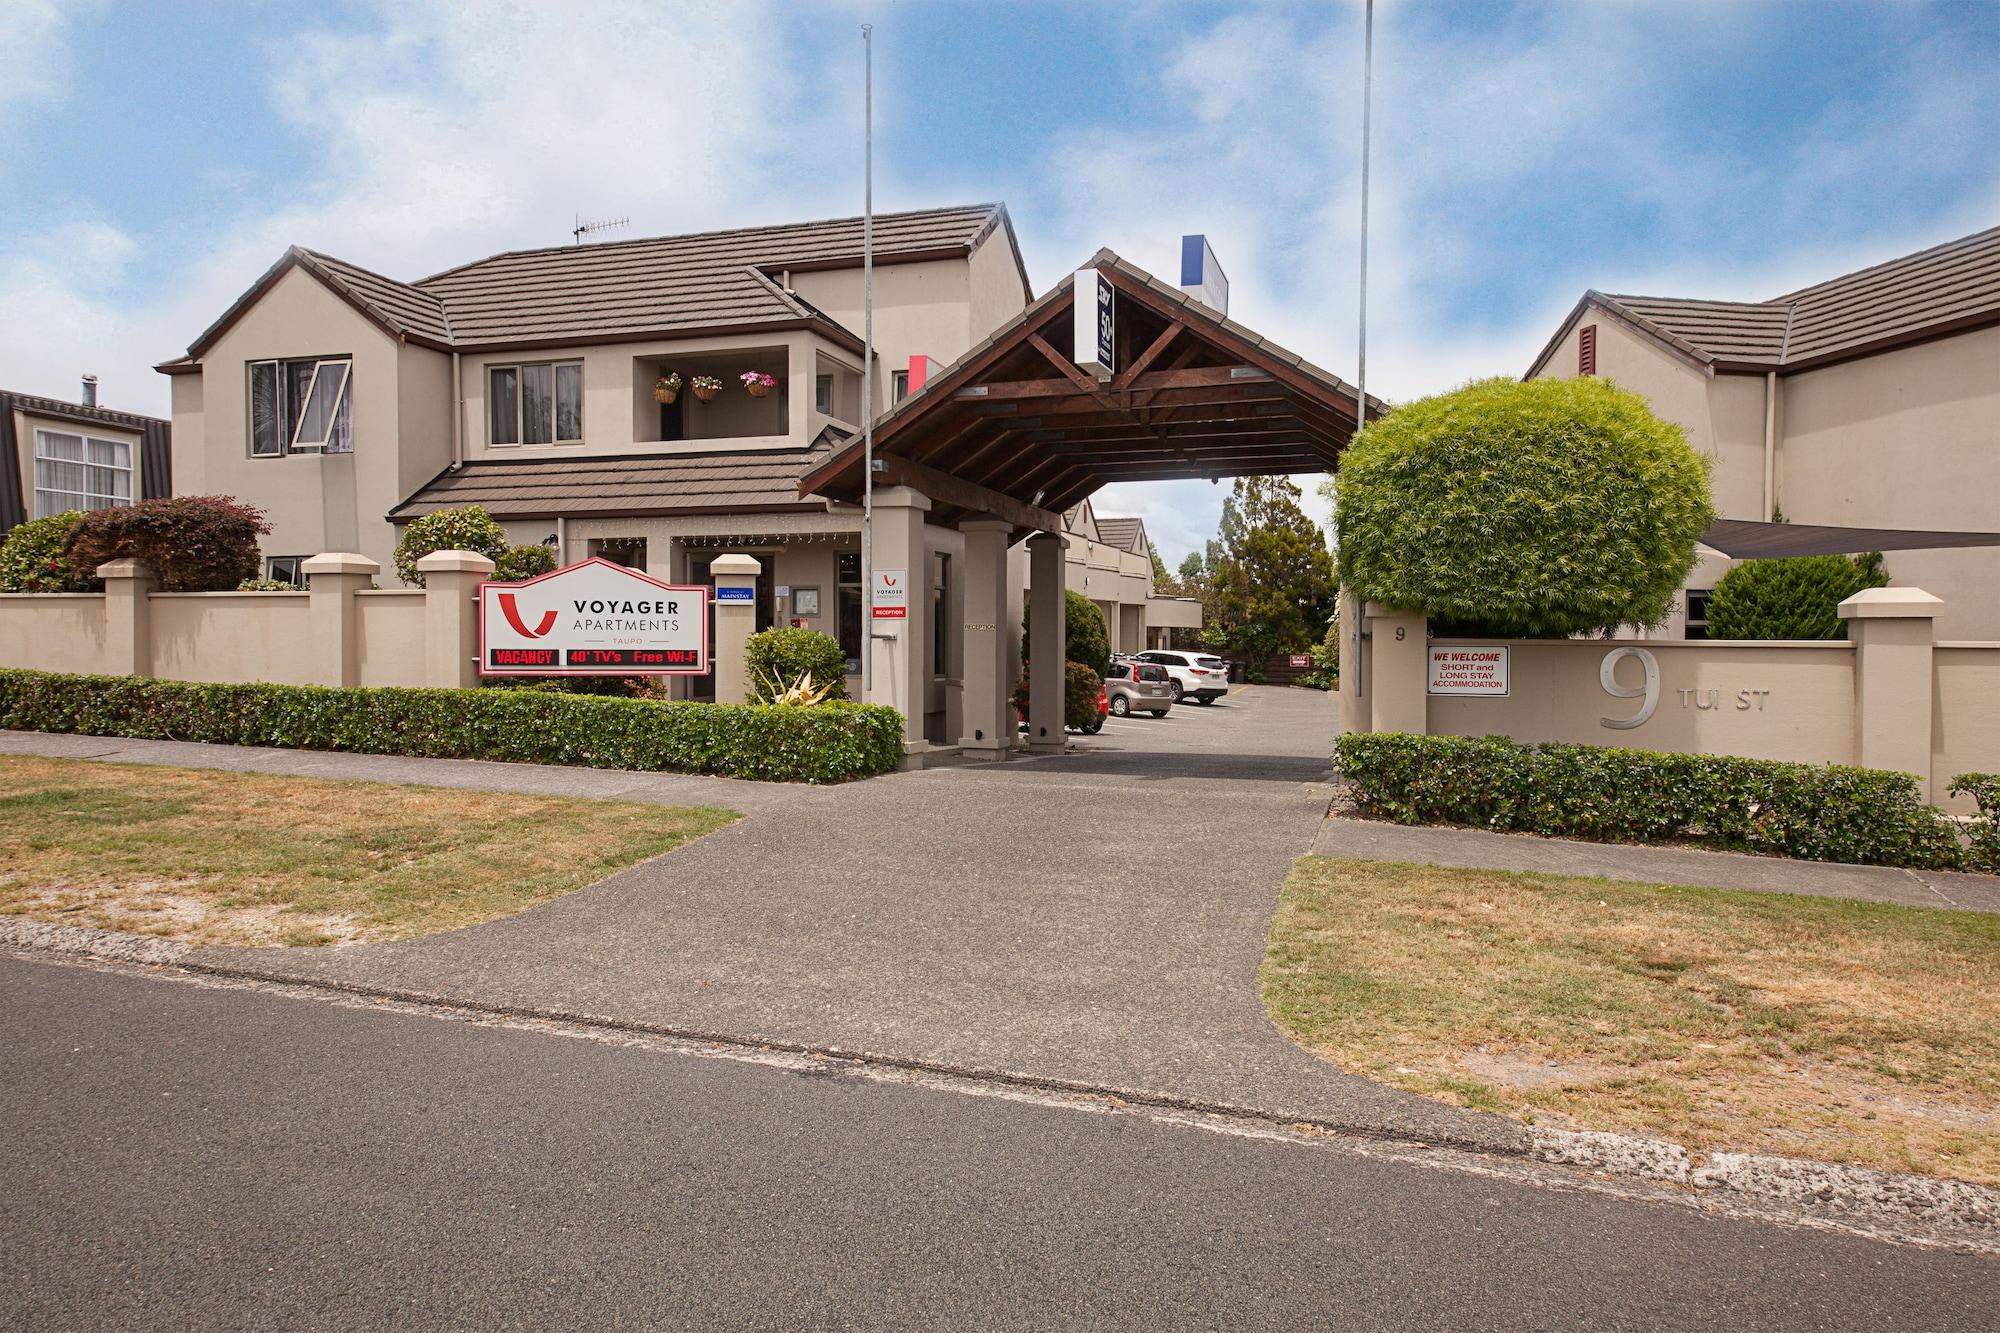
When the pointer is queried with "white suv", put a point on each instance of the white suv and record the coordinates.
(1202, 677)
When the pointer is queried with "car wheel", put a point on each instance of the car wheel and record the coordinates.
(1177, 691)
(1204, 699)
(1120, 706)
(1093, 728)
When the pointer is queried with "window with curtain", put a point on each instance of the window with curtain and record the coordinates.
(538, 403)
(80, 472)
(302, 406)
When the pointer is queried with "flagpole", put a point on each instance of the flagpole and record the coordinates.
(1367, 88)
(868, 361)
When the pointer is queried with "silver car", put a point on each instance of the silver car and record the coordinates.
(1138, 687)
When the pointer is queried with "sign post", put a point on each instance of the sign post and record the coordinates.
(593, 619)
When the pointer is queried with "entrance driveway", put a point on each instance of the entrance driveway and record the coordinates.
(1096, 917)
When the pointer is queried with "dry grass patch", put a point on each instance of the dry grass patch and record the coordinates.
(1813, 1027)
(243, 858)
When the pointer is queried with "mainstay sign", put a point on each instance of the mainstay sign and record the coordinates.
(593, 619)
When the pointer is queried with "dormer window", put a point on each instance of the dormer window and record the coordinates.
(302, 407)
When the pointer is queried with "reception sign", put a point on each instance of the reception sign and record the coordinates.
(1476, 669)
(593, 619)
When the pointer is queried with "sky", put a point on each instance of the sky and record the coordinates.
(159, 157)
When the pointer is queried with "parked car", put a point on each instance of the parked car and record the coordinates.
(1203, 677)
(1138, 687)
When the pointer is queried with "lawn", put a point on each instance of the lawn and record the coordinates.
(242, 858)
(1811, 1027)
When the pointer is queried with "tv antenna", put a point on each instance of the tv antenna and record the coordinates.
(583, 229)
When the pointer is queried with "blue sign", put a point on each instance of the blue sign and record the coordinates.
(735, 594)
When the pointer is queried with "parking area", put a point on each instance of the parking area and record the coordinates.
(1255, 731)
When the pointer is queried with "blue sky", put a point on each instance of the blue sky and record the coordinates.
(160, 156)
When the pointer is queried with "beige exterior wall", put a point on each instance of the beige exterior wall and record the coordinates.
(232, 636)
(1965, 724)
(54, 632)
(389, 630)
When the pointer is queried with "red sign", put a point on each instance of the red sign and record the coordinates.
(1301, 660)
(593, 619)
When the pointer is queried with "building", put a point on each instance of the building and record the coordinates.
(1110, 561)
(1869, 400)
(345, 403)
(57, 456)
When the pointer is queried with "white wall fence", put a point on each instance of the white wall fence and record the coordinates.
(1889, 696)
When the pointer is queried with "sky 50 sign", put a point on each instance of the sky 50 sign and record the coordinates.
(593, 619)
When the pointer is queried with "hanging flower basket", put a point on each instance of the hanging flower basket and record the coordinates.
(705, 387)
(667, 388)
(758, 383)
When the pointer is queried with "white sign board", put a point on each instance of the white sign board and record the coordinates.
(1478, 669)
(593, 619)
(1096, 320)
(1202, 277)
(892, 595)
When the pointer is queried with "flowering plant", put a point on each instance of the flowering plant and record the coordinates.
(705, 382)
(750, 377)
(670, 380)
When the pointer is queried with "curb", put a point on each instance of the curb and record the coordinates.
(1854, 1191)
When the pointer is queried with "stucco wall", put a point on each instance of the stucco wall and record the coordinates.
(1556, 695)
(1965, 721)
(233, 636)
(53, 631)
(921, 308)
(389, 634)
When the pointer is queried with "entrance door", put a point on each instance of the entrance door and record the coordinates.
(702, 688)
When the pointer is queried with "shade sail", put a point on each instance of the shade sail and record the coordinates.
(1741, 539)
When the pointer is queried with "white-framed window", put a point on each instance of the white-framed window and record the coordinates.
(899, 385)
(77, 471)
(535, 403)
(302, 407)
(286, 569)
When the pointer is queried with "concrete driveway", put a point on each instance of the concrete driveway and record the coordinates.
(1096, 917)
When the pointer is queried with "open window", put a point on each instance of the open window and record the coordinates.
(302, 407)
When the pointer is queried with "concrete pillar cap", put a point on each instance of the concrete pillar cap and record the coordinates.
(736, 564)
(1046, 538)
(124, 569)
(1887, 603)
(340, 562)
(901, 497)
(440, 562)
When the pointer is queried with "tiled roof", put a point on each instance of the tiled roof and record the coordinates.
(156, 459)
(1947, 287)
(406, 308)
(1127, 534)
(630, 484)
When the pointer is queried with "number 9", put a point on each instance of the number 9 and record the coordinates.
(1607, 675)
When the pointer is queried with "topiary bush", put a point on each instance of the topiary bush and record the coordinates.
(1086, 638)
(783, 656)
(1797, 597)
(192, 543)
(470, 528)
(518, 564)
(828, 744)
(1549, 508)
(1605, 794)
(34, 557)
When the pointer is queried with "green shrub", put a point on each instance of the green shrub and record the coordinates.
(1325, 673)
(1082, 688)
(780, 657)
(468, 529)
(34, 557)
(828, 744)
(1086, 638)
(1797, 597)
(1550, 507)
(1983, 831)
(268, 585)
(1604, 794)
(192, 543)
(518, 564)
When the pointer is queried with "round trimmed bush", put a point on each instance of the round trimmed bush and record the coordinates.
(1548, 508)
(780, 657)
(470, 528)
(192, 543)
(1797, 597)
(1082, 687)
(1086, 637)
(34, 557)
(518, 564)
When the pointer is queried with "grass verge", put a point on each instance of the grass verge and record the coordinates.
(1814, 1027)
(248, 859)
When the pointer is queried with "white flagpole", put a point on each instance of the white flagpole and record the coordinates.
(1367, 86)
(868, 361)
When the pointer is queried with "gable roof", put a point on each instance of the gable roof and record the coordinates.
(653, 287)
(1127, 534)
(1941, 290)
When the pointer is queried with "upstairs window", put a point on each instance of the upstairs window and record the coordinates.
(537, 403)
(302, 407)
(80, 472)
(1586, 350)
(823, 394)
(899, 385)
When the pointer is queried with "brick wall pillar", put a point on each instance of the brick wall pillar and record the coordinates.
(1398, 669)
(128, 639)
(1894, 631)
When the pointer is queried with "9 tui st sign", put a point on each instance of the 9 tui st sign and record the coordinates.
(593, 619)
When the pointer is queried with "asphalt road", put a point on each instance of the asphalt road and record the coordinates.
(179, 1156)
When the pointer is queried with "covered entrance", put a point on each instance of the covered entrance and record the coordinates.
(1021, 428)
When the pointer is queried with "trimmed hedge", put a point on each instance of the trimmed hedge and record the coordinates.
(1797, 597)
(830, 743)
(1605, 794)
(1982, 832)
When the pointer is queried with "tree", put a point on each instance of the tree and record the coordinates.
(468, 529)
(1086, 638)
(1793, 598)
(1550, 507)
(1162, 581)
(1272, 581)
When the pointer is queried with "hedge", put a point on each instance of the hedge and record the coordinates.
(1983, 832)
(829, 743)
(1604, 794)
